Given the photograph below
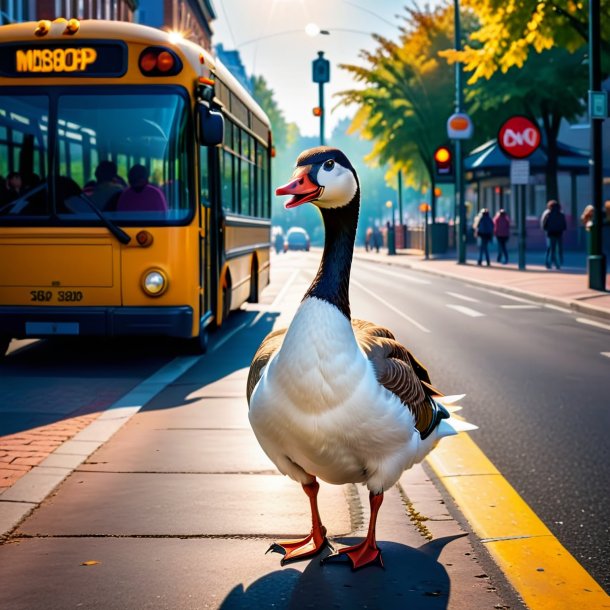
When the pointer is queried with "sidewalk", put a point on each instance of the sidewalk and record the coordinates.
(566, 288)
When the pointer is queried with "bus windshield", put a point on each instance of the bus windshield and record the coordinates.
(125, 153)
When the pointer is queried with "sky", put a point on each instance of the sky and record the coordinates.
(270, 36)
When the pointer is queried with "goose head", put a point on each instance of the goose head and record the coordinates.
(323, 176)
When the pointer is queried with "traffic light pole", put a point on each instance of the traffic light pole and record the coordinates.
(459, 164)
(321, 105)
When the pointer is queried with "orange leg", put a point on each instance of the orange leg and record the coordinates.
(311, 544)
(367, 551)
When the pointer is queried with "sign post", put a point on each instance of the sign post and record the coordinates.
(518, 138)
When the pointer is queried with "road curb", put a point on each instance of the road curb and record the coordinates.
(573, 304)
(543, 573)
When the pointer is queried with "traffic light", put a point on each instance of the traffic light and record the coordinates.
(317, 111)
(443, 163)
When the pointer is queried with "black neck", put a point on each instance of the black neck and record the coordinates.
(332, 280)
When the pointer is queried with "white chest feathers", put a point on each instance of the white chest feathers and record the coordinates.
(319, 410)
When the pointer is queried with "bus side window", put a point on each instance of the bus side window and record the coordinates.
(204, 176)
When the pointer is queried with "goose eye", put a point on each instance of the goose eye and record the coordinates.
(328, 165)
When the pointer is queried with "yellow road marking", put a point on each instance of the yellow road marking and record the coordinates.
(541, 570)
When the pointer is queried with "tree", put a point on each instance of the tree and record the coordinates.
(549, 87)
(408, 94)
(509, 31)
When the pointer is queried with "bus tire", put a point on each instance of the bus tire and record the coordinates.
(254, 296)
(199, 345)
(226, 298)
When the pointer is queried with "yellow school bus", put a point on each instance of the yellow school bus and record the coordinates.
(137, 184)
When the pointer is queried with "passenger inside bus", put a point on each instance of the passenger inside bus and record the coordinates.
(141, 195)
(105, 191)
(13, 188)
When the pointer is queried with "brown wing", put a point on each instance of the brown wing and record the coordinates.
(271, 343)
(398, 370)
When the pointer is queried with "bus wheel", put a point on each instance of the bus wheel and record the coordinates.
(199, 345)
(253, 298)
(226, 299)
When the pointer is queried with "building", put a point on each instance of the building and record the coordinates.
(33, 10)
(192, 18)
(232, 60)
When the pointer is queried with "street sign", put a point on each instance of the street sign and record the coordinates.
(598, 104)
(321, 69)
(519, 171)
(459, 126)
(519, 137)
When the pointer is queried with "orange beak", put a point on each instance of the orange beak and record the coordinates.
(300, 187)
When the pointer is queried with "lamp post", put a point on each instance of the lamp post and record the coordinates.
(459, 162)
(391, 229)
(596, 262)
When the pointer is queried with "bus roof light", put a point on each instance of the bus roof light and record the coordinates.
(72, 27)
(43, 27)
(165, 61)
(159, 61)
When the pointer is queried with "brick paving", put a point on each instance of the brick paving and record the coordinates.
(20, 452)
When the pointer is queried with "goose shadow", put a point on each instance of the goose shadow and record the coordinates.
(412, 578)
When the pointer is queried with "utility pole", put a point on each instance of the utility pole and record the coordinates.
(598, 110)
(459, 161)
(321, 75)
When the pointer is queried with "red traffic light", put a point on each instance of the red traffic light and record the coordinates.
(443, 161)
(317, 111)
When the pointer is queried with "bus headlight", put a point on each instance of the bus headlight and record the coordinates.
(154, 282)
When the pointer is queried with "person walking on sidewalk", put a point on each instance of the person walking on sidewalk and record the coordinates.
(484, 229)
(502, 233)
(553, 223)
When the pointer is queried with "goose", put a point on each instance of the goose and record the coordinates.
(336, 398)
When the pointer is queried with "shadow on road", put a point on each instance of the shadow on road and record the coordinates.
(412, 578)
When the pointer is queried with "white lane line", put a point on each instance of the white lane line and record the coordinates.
(593, 323)
(394, 309)
(402, 276)
(520, 306)
(462, 296)
(279, 297)
(466, 310)
(607, 354)
(509, 296)
(557, 308)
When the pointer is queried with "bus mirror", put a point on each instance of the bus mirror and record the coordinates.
(211, 126)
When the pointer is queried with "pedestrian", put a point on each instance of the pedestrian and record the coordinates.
(483, 229)
(13, 188)
(376, 239)
(502, 232)
(368, 236)
(553, 223)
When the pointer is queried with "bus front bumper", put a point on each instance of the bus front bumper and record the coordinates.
(25, 322)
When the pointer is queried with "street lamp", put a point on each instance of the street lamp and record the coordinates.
(391, 229)
(459, 162)
(597, 261)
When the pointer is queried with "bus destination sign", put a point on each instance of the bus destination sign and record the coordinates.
(97, 59)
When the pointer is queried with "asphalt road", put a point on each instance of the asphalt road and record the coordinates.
(537, 381)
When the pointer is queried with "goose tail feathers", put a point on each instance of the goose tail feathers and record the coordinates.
(449, 425)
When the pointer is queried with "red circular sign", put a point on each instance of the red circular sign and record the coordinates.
(519, 137)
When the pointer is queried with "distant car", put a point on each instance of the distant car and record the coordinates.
(296, 239)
